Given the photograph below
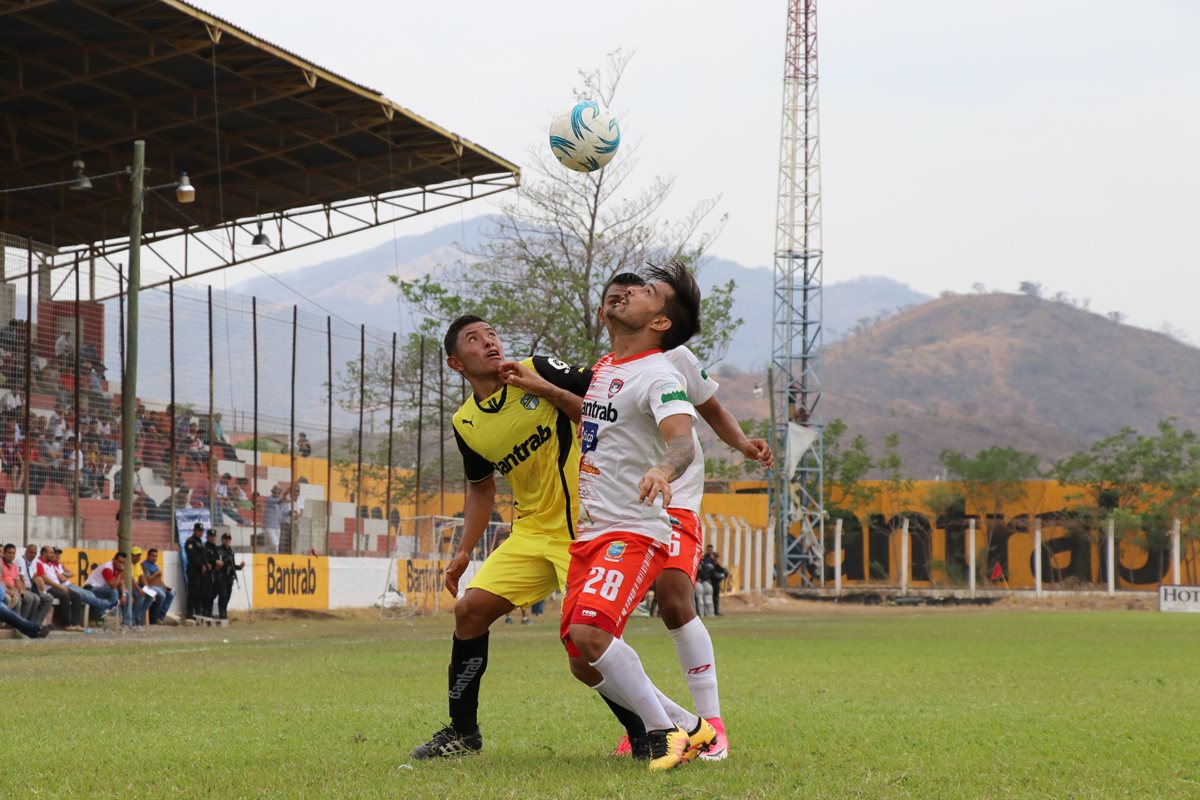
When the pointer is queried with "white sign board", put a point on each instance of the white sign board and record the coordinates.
(1179, 598)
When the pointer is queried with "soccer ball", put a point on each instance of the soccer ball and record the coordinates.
(585, 136)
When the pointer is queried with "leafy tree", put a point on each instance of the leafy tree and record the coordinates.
(992, 479)
(846, 467)
(1030, 288)
(1143, 483)
(538, 277)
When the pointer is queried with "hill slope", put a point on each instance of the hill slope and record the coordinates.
(967, 372)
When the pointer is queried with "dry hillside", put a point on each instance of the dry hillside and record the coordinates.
(967, 372)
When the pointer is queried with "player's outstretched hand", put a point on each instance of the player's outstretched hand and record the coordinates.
(514, 373)
(652, 484)
(454, 571)
(760, 451)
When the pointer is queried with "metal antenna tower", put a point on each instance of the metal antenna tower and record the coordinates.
(796, 334)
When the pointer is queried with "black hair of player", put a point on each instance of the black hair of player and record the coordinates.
(683, 307)
(622, 279)
(451, 340)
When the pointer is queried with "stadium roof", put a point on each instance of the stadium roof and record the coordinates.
(259, 130)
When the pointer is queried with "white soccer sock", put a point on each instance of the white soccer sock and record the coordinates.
(624, 675)
(606, 688)
(694, 648)
(678, 714)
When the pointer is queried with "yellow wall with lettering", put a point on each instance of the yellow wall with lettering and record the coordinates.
(420, 581)
(283, 581)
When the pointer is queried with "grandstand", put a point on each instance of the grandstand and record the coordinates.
(272, 142)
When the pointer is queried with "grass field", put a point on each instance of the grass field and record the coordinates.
(820, 702)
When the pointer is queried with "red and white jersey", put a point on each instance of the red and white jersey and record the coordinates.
(688, 489)
(100, 576)
(620, 441)
(50, 573)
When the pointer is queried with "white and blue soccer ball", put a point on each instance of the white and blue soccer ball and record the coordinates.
(585, 136)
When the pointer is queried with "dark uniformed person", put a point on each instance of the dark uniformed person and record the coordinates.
(225, 574)
(210, 575)
(197, 564)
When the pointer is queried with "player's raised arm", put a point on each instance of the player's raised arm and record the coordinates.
(727, 428)
(560, 383)
(681, 449)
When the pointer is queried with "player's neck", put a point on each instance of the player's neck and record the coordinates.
(484, 386)
(630, 344)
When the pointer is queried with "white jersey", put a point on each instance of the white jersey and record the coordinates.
(620, 441)
(688, 489)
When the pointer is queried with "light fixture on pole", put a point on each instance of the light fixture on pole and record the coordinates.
(261, 239)
(184, 191)
(82, 182)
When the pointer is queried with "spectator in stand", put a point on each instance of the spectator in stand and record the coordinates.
(39, 472)
(47, 579)
(107, 582)
(10, 578)
(10, 452)
(143, 595)
(273, 519)
(25, 563)
(195, 453)
(15, 620)
(64, 346)
(10, 401)
(100, 605)
(303, 446)
(224, 505)
(92, 477)
(240, 494)
(220, 443)
(152, 579)
(141, 501)
(72, 462)
(293, 509)
(24, 599)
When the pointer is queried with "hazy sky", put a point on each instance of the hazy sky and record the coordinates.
(962, 141)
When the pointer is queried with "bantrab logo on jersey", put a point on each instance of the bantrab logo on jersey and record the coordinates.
(588, 434)
(522, 450)
(530, 402)
(606, 412)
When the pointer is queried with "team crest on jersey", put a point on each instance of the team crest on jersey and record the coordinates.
(615, 386)
(530, 402)
(614, 552)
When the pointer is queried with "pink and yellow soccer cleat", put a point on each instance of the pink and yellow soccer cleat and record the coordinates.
(667, 748)
(719, 749)
(700, 739)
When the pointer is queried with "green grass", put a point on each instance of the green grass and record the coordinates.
(824, 703)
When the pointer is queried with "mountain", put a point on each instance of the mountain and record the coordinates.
(969, 372)
(357, 288)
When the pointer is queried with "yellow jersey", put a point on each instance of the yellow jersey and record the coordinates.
(531, 443)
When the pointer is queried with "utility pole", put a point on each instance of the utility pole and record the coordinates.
(129, 376)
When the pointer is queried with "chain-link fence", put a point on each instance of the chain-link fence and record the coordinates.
(297, 432)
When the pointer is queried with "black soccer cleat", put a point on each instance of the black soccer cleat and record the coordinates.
(448, 743)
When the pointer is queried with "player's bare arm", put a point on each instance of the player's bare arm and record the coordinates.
(726, 426)
(514, 373)
(681, 449)
(477, 510)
